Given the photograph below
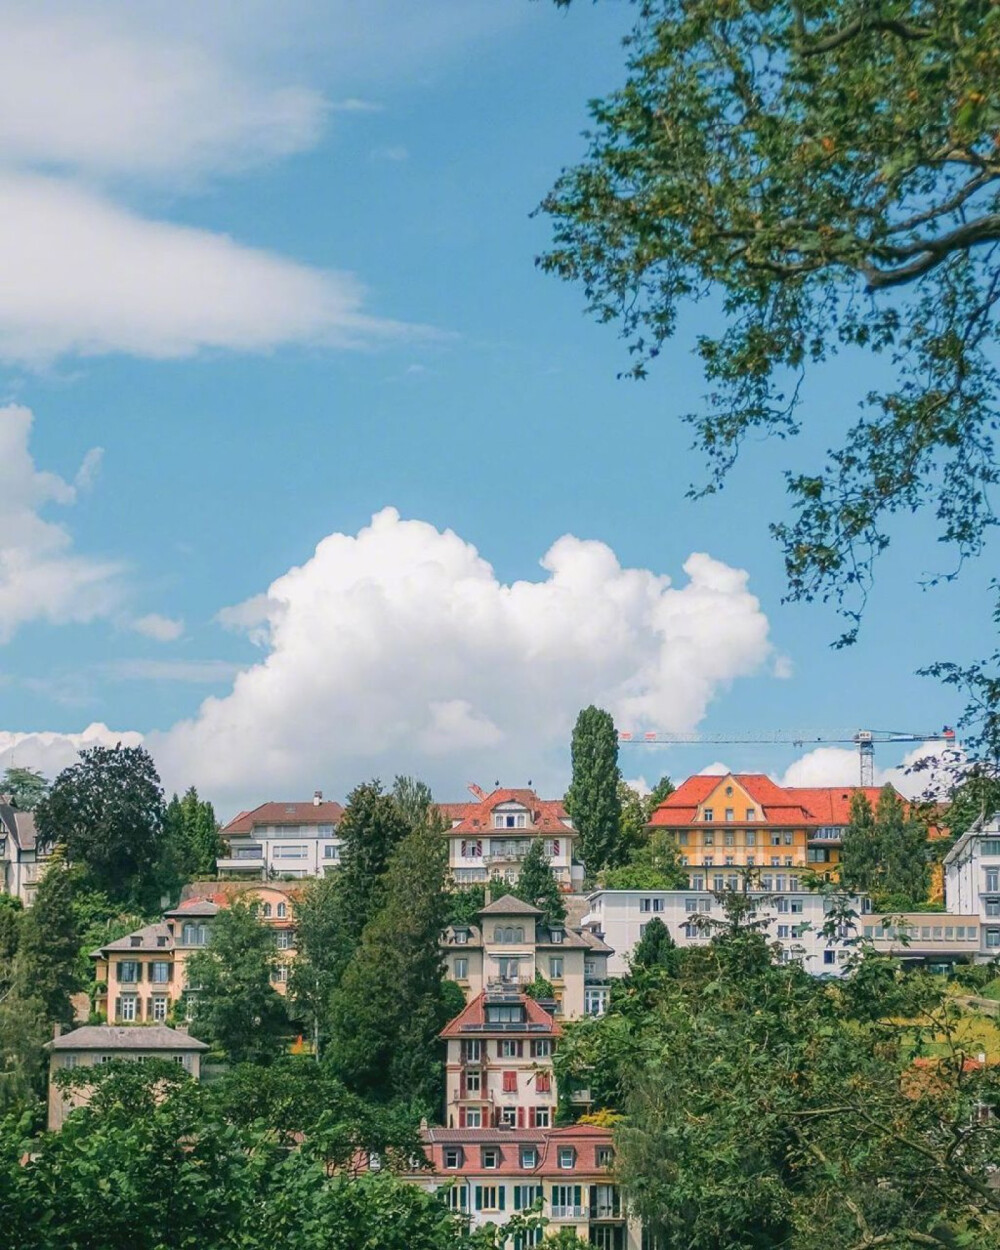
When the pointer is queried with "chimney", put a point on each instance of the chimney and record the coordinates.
(181, 1028)
(57, 1030)
(487, 896)
(317, 797)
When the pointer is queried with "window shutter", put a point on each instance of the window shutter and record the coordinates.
(578, 1195)
(461, 1117)
(517, 1197)
(520, 1049)
(461, 1084)
(502, 1190)
(593, 1201)
(479, 1197)
(520, 1117)
(118, 1008)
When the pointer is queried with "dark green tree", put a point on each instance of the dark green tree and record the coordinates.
(235, 1005)
(45, 967)
(192, 835)
(860, 851)
(392, 1001)
(827, 173)
(323, 948)
(885, 852)
(26, 786)
(663, 789)
(633, 820)
(656, 865)
(655, 949)
(11, 916)
(371, 828)
(413, 799)
(592, 799)
(107, 811)
(537, 885)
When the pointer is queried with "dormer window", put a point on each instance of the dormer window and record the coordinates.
(461, 937)
(529, 1157)
(135, 941)
(708, 815)
(491, 1157)
(556, 935)
(605, 1156)
(267, 911)
(510, 820)
(567, 1158)
(282, 911)
(453, 1157)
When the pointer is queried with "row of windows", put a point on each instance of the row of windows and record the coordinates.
(130, 971)
(472, 1082)
(475, 1048)
(708, 814)
(932, 933)
(128, 1010)
(566, 1201)
(281, 911)
(521, 1117)
(729, 838)
(491, 1157)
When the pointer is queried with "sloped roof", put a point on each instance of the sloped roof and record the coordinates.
(19, 825)
(508, 905)
(472, 1019)
(148, 941)
(111, 1037)
(779, 805)
(273, 813)
(545, 815)
(198, 908)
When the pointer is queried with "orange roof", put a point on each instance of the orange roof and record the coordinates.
(780, 805)
(472, 1019)
(586, 1139)
(272, 813)
(544, 815)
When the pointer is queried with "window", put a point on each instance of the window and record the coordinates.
(283, 939)
(510, 1082)
(159, 1008)
(718, 883)
(567, 1200)
(829, 957)
(472, 1050)
(461, 937)
(993, 939)
(161, 941)
(697, 882)
(508, 1116)
(605, 1156)
(708, 861)
(194, 934)
(993, 907)
(797, 906)
(504, 1014)
(793, 884)
(708, 815)
(491, 1157)
(751, 813)
(472, 848)
(992, 879)
(989, 846)
(708, 838)
(458, 1197)
(127, 1007)
(279, 975)
(543, 1083)
(461, 968)
(682, 839)
(730, 861)
(751, 860)
(781, 904)
(508, 934)
(267, 911)
(541, 1048)
(473, 1118)
(69, 1061)
(775, 839)
(128, 970)
(556, 936)
(509, 1047)
(331, 852)
(782, 931)
(751, 837)
(289, 852)
(159, 972)
(595, 1001)
(538, 1117)
(775, 861)
(490, 1197)
(729, 813)
(551, 848)
(779, 882)
(555, 967)
(282, 911)
(567, 1158)
(508, 970)
(529, 1159)
(135, 941)
(473, 1081)
(705, 904)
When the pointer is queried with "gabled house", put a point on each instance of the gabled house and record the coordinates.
(491, 836)
(22, 861)
(278, 840)
(512, 943)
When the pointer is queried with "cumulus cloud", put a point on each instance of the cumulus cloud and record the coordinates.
(838, 766)
(84, 275)
(52, 752)
(41, 577)
(399, 649)
(159, 628)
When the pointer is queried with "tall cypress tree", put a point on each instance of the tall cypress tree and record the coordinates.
(536, 884)
(371, 828)
(592, 799)
(45, 967)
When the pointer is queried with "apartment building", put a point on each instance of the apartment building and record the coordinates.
(972, 881)
(22, 863)
(490, 837)
(493, 1173)
(96, 1044)
(277, 840)
(142, 975)
(511, 944)
(498, 1067)
(746, 820)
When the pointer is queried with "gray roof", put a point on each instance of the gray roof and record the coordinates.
(508, 905)
(111, 1037)
(20, 825)
(198, 910)
(148, 941)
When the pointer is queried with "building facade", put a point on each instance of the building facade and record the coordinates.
(140, 977)
(21, 861)
(564, 1173)
(746, 820)
(972, 881)
(511, 944)
(96, 1044)
(279, 840)
(489, 837)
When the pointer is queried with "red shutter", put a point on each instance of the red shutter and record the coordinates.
(461, 1084)
(531, 1117)
(520, 1117)
(510, 1082)
(461, 1117)
(520, 1050)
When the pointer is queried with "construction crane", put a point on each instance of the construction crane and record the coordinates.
(863, 739)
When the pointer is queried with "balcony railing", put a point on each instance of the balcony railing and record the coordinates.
(569, 1213)
(232, 864)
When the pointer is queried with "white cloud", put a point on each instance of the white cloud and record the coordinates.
(398, 649)
(41, 577)
(718, 769)
(52, 752)
(195, 672)
(102, 93)
(83, 275)
(783, 667)
(159, 628)
(839, 766)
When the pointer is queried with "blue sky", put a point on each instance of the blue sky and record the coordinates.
(278, 267)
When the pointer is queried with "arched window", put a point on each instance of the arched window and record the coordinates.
(267, 910)
(282, 911)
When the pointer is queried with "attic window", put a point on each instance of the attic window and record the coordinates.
(290, 810)
(556, 935)
(161, 941)
(135, 941)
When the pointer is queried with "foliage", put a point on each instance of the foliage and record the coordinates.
(107, 811)
(100, 920)
(663, 789)
(235, 1006)
(885, 852)
(592, 799)
(413, 800)
(45, 967)
(539, 988)
(465, 903)
(655, 949)
(26, 787)
(391, 1002)
(192, 833)
(371, 827)
(322, 950)
(11, 915)
(633, 819)
(656, 865)
(537, 885)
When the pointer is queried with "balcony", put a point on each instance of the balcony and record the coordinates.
(569, 1213)
(242, 864)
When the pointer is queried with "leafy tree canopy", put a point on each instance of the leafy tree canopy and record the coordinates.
(371, 827)
(656, 865)
(593, 797)
(885, 852)
(192, 833)
(25, 786)
(537, 885)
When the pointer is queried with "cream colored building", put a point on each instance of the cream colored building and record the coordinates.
(96, 1044)
(22, 862)
(511, 943)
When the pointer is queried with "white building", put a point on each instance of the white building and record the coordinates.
(21, 865)
(491, 836)
(283, 840)
(972, 881)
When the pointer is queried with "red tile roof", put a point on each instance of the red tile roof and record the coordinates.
(779, 805)
(585, 1138)
(545, 815)
(272, 813)
(472, 1020)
